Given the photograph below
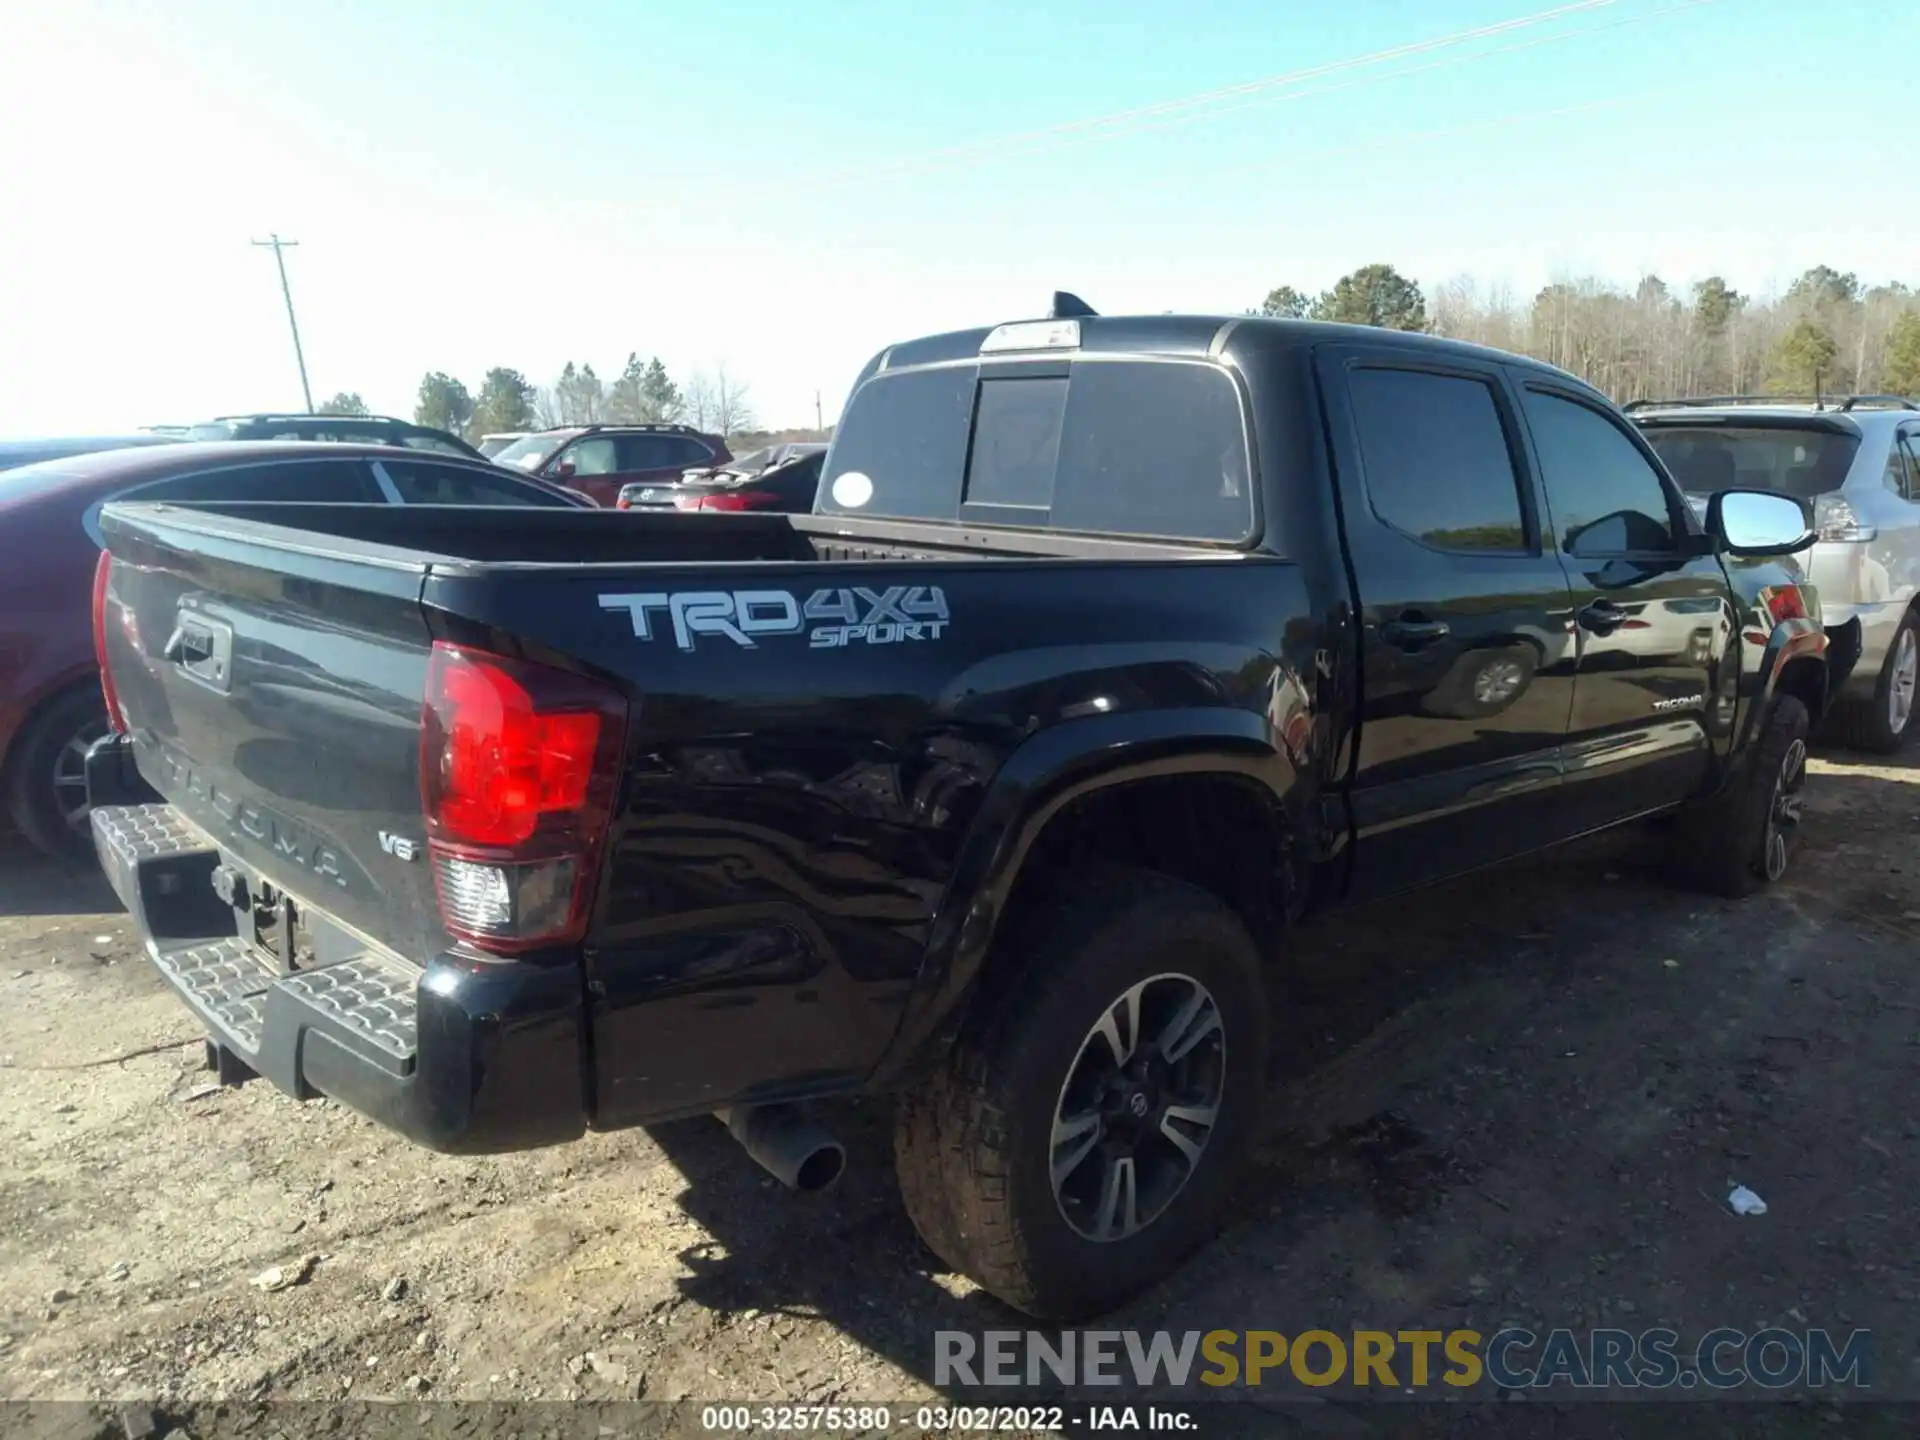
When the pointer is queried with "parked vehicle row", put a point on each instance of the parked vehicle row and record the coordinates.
(599, 460)
(781, 479)
(50, 704)
(1857, 461)
(1112, 650)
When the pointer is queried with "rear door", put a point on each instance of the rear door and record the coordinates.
(1654, 617)
(1466, 651)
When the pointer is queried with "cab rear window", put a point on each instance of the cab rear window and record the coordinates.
(1109, 447)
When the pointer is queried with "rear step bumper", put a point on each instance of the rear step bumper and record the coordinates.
(463, 1057)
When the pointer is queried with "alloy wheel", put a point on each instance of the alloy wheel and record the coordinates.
(1902, 680)
(1783, 814)
(1138, 1107)
(69, 778)
(1498, 682)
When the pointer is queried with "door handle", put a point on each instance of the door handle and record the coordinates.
(1602, 617)
(1413, 630)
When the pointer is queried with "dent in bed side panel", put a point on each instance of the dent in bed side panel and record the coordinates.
(1295, 462)
(792, 815)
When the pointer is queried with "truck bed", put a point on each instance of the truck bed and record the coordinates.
(414, 536)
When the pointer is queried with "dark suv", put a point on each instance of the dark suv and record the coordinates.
(597, 460)
(346, 429)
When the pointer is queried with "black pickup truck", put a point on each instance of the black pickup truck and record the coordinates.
(1114, 648)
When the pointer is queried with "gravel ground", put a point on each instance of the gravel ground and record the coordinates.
(1524, 1099)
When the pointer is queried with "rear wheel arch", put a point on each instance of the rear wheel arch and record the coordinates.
(1252, 856)
(1805, 678)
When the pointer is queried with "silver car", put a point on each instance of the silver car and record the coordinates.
(1857, 461)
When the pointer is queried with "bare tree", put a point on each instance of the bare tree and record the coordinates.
(732, 410)
(697, 395)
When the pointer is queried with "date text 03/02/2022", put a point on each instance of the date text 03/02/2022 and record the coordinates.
(944, 1419)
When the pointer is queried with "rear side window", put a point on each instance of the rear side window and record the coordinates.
(1438, 466)
(326, 482)
(1108, 447)
(420, 482)
(660, 452)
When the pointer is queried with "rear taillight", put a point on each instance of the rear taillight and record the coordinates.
(1835, 519)
(731, 500)
(623, 503)
(519, 765)
(116, 718)
(1783, 603)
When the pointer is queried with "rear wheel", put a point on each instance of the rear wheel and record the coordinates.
(1079, 1143)
(47, 773)
(1743, 838)
(1882, 723)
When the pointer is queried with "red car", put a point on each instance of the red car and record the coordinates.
(598, 460)
(50, 704)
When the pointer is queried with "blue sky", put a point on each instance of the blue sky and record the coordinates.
(786, 189)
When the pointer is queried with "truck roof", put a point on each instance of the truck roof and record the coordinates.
(1193, 335)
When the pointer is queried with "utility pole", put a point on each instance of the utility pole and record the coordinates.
(276, 244)
(818, 422)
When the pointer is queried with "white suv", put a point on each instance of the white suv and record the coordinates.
(1858, 462)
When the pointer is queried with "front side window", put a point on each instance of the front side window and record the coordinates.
(595, 455)
(529, 452)
(1438, 466)
(1605, 497)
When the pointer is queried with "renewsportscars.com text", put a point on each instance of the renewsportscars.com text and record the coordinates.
(1511, 1359)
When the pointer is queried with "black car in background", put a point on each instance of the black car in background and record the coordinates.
(342, 429)
(781, 480)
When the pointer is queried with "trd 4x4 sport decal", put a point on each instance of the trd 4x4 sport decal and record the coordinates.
(831, 619)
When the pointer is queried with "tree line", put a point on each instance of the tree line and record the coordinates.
(643, 393)
(1829, 334)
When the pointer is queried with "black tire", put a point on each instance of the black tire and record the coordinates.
(1867, 725)
(1742, 839)
(39, 768)
(974, 1144)
(1455, 697)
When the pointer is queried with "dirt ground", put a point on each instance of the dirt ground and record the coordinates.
(1525, 1099)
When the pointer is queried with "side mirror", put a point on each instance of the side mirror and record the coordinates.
(563, 470)
(1756, 524)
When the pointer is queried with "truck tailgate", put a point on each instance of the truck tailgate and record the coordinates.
(274, 699)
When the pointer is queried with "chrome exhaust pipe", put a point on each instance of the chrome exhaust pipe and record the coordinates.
(787, 1145)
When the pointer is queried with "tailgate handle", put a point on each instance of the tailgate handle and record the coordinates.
(202, 648)
(187, 646)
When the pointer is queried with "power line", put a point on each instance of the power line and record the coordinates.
(277, 245)
(1441, 64)
(1116, 121)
